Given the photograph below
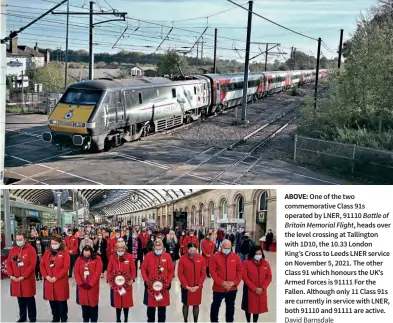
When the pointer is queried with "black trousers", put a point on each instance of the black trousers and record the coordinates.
(136, 266)
(37, 269)
(230, 298)
(267, 243)
(89, 313)
(59, 310)
(151, 314)
(72, 264)
(27, 306)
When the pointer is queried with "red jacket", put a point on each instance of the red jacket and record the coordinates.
(72, 244)
(88, 297)
(189, 239)
(183, 247)
(191, 273)
(256, 274)
(225, 268)
(207, 247)
(150, 269)
(28, 256)
(220, 234)
(60, 260)
(144, 239)
(126, 263)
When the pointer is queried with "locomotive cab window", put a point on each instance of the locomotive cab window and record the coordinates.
(81, 97)
(173, 93)
(140, 98)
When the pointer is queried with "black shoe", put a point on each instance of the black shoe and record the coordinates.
(33, 320)
(21, 320)
(37, 279)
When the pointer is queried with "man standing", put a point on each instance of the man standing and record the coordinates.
(227, 272)
(246, 247)
(71, 242)
(269, 239)
(144, 237)
(191, 238)
(20, 266)
(239, 239)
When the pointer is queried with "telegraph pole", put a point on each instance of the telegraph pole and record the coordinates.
(266, 53)
(215, 51)
(340, 48)
(247, 63)
(317, 75)
(91, 15)
(294, 58)
(66, 50)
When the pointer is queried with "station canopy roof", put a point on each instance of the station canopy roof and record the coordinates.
(102, 202)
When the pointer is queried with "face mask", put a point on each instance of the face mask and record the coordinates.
(183, 234)
(258, 257)
(55, 246)
(38, 242)
(191, 234)
(99, 237)
(226, 251)
(20, 243)
(127, 233)
(120, 253)
(158, 252)
(207, 238)
(191, 254)
(87, 256)
(117, 236)
(86, 238)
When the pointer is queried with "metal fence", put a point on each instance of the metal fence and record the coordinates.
(18, 102)
(368, 163)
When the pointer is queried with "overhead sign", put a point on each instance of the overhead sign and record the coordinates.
(237, 221)
(261, 216)
(32, 213)
(15, 64)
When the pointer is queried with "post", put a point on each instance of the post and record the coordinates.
(295, 149)
(76, 222)
(66, 50)
(91, 53)
(340, 48)
(290, 67)
(197, 53)
(202, 52)
(23, 92)
(7, 218)
(3, 64)
(247, 62)
(215, 51)
(59, 219)
(317, 74)
(266, 53)
(294, 58)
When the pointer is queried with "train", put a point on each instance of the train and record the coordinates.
(100, 114)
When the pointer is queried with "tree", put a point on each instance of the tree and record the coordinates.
(51, 76)
(169, 64)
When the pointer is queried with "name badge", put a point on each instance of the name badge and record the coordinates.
(51, 265)
(171, 251)
(126, 262)
(20, 264)
(122, 291)
(159, 297)
(161, 269)
(86, 273)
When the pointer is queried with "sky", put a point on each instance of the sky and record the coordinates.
(149, 21)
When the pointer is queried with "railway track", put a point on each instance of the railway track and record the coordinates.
(237, 152)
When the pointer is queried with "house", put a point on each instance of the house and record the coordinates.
(131, 69)
(150, 72)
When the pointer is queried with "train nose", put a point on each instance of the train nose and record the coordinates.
(47, 136)
(78, 140)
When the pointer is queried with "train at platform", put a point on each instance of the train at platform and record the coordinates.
(100, 114)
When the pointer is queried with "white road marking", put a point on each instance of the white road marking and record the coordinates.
(25, 177)
(54, 169)
(138, 160)
(22, 143)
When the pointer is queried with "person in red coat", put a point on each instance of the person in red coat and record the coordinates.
(144, 236)
(121, 299)
(192, 274)
(21, 270)
(183, 247)
(158, 264)
(87, 273)
(54, 266)
(72, 244)
(257, 276)
(112, 244)
(227, 271)
(191, 238)
(207, 246)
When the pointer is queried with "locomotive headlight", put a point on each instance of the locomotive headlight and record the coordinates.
(79, 124)
(53, 121)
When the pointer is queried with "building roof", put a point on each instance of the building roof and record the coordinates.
(25, 51)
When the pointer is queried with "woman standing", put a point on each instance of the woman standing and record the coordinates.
(257, 277)
(100, 249)
(183, 247)
(207, 246)
(192, 274)
(87, 272)
(122, 298)
(172, 246)
(40, 250)
(135, 246)
(54, 267)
